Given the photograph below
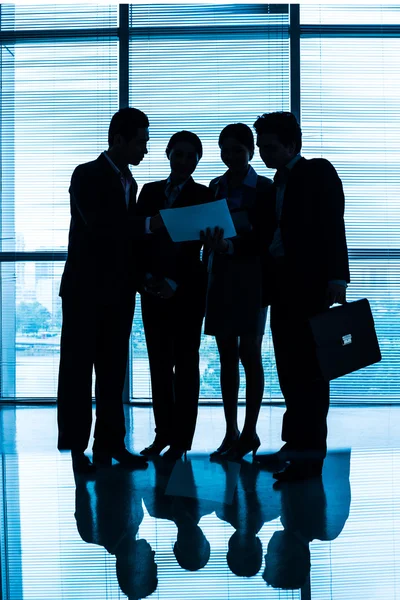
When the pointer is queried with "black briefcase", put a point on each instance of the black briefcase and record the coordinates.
(345, 339)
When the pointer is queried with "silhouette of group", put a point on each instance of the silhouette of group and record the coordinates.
(289, 254)
(110, 512)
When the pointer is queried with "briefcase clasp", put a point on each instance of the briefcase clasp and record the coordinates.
(347, 339)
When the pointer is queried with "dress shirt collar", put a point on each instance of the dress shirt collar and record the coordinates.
(282, 174)
(114, 166)
(169, 185)
(293, 161)
(125, 174)
(250, 179)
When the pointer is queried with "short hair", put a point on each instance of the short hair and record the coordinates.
(185, 136)
(244, 561)
(287, 562)
(193, 561)
(240, 132)
(194, 553)
(135, 570)
(126, 122)
(283, 124)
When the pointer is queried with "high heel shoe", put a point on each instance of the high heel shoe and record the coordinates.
(227, 444)
(155, 448)
(243, 446)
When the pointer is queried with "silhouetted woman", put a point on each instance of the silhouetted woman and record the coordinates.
(173, 302)
(234, 313)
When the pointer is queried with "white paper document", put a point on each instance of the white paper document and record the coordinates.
(185, 224)
(198, 477)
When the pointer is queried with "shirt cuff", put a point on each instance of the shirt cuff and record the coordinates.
(171, 283)
(339, 282)
(147, 225)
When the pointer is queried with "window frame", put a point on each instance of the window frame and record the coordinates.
(297, 31)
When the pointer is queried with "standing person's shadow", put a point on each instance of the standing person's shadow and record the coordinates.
(255, 503)
(191, 549)
(108, 512)
(312, 509)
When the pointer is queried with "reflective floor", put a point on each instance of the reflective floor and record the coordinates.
(200, 529)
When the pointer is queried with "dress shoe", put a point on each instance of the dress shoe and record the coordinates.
(286, 453)
(174, 453)
(155, 448)
(243, 446)
(81, 464)
(124, 457)
(299, 470)
(227, 444)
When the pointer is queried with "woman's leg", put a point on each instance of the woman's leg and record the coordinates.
(250, 355)
(229, 378)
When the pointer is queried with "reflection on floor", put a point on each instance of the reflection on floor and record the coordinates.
(200, 529)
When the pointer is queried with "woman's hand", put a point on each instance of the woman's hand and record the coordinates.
(214, 240)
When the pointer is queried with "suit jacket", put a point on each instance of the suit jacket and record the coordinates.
(312, 224)
(160, 256)
(101, 263)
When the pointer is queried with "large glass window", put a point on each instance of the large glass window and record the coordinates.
(56, 110)
(350, 115)
(198, 67)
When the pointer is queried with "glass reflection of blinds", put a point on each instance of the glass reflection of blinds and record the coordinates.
(201, 67)
(351, 115)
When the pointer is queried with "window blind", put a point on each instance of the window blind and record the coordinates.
(349, 14)
(44, 17)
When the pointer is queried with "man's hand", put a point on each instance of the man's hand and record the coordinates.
(156, 223)
(336, 293)
(214, 240)
(160, 288)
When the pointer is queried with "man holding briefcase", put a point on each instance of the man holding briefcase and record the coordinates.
(306, 271)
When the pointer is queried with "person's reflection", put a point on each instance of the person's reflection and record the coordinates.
(254, 504)
(191, 549)
(136, 569)
(108, 512)
(313, 509)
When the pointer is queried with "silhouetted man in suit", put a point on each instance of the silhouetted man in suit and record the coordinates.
(98, 295)
(307, 271)
(109, 514)
(315, 509)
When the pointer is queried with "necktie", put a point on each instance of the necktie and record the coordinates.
(171, 192)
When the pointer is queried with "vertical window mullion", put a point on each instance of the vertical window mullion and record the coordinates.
(123, 35)
(294, 61)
